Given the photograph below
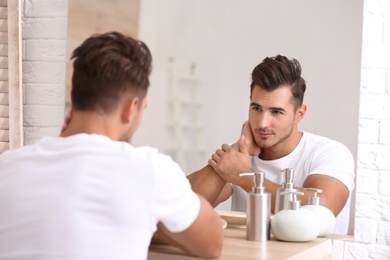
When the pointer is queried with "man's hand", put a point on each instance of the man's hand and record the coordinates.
(230, 161)
(253, 149)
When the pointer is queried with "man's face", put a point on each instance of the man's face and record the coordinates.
(272, 117)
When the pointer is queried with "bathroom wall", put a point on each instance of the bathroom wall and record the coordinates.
(44, 35)
(372, 223)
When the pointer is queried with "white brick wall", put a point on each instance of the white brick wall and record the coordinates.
(44, 34)
(372, 216)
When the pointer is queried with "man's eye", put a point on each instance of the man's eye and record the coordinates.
(256, 108)
(278, 112)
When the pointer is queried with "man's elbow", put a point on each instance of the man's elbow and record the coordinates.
(214, 250)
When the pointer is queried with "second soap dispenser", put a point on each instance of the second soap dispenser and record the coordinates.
(258, 209)
(295, 224)
(282, 200)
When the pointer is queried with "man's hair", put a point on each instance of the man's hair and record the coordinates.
(279, 71)
(106, 67)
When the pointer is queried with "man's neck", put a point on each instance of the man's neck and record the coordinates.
(92, 123)
(282, 149)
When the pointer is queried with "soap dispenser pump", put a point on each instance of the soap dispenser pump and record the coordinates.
(282, 201)
(325, 216)
(258, 209)
(295, 224)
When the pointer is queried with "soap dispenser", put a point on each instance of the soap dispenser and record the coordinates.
(283, 201)
(258, 209)
(326, 217)
(295, 224)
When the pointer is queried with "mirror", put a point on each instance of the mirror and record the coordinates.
(207, 50)
(224, 44)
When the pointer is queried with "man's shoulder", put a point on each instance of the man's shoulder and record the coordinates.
(28, 148)
(319, 143)
(315, 139)
(153, 155)
(148, 151)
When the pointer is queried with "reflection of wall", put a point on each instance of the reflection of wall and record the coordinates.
(226, 43)
(87, 17)
(184, 125)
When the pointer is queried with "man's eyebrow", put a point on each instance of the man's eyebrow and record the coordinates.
(278, 109)
(254, 104)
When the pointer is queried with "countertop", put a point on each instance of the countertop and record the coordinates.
(237, 247)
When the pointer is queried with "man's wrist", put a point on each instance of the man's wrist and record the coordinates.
(246, 182)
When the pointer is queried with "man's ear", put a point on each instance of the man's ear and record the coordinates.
(67, 120)
(130, 109)
(301, 112)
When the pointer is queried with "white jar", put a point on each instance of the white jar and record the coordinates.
(296, 224)
(325, 216)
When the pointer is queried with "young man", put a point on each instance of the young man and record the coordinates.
(271, 142)
(89, 194)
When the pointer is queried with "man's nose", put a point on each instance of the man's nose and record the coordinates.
(264, 120)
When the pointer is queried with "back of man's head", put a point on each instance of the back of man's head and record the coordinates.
(107, 67)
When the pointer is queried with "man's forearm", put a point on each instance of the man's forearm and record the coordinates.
(163, 234)
(207, 183)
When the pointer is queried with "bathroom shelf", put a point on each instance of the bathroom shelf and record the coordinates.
(185, 125)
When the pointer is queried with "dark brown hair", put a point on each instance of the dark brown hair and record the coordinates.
(279, 71)
(106, 67)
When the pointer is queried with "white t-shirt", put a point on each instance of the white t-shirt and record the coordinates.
(88, 197)
(313, 155)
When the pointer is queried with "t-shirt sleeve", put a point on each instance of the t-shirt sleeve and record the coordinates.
(175, 204)
(334, 159)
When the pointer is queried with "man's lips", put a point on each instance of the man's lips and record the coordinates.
(264, 135)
